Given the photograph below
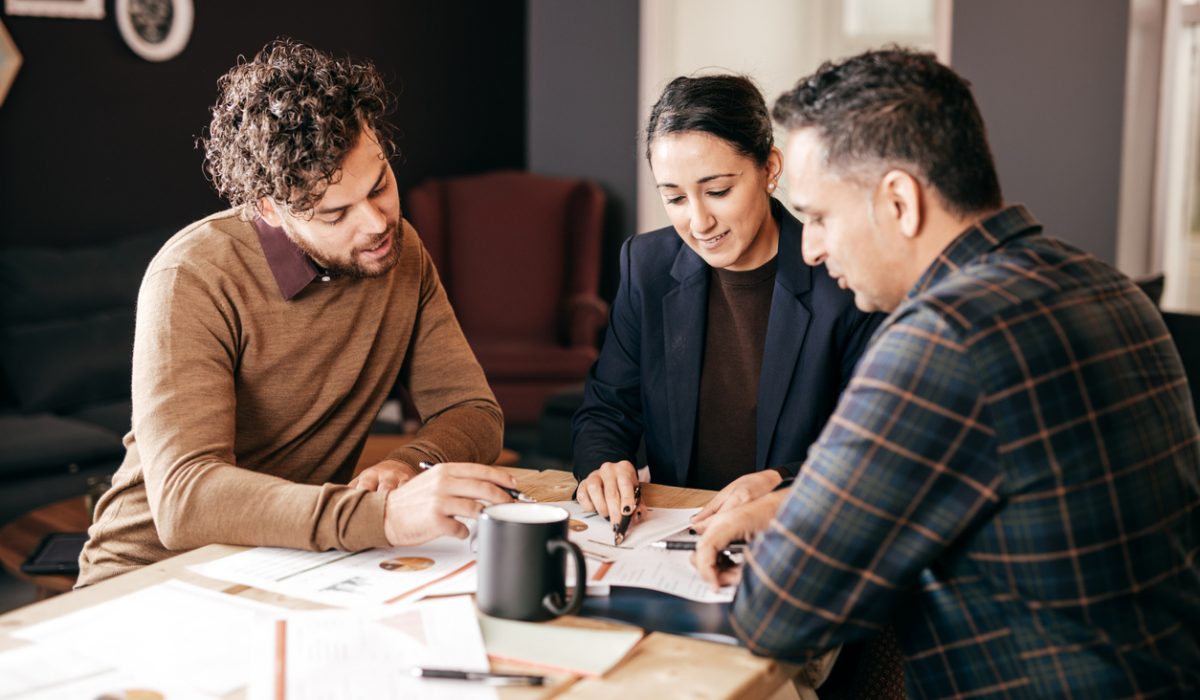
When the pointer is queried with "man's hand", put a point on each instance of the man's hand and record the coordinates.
(425, 506)
(741, 490)
(385, 476)
(609, 490)
(740, 523)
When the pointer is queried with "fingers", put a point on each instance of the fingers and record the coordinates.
(368, 480)
(481, 472)
(626, 477)
(709, 509)
(595, 491)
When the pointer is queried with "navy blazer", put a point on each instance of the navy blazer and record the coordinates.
(646, 381)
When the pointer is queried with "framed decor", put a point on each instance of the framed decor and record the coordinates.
(156, 30)
(71, 9)
(10, 62)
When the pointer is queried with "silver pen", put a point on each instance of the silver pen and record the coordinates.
(479, 676)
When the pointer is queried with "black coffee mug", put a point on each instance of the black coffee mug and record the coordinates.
(522, 567)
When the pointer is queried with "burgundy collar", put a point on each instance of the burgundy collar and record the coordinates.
(293, 269)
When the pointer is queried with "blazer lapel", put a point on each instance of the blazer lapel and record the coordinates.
(787, 325)
(684, 318)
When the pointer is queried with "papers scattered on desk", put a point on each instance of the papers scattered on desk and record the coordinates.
(659, 570)
(370, 653)
(344, 579)
(578, 651)
(594, 534)
(199, 638)
(45, 672)
(635, 563)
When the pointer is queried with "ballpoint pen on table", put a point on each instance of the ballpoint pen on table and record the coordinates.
(517, 495)
(732, 547)
(480, 676)
(622, 527)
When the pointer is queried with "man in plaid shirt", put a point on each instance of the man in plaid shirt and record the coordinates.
(1012, 478)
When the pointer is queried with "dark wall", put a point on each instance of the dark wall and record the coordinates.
(583, 92)
(1050, 81)
(96, 143)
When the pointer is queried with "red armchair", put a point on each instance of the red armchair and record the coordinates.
(519, 255)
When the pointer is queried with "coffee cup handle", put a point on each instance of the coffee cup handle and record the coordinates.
(552, 601)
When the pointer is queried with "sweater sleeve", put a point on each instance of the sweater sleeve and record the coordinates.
(461, 420)
(185, 362)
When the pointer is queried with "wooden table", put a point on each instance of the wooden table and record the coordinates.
(661, 665)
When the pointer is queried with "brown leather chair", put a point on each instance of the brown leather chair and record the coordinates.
(519, 255)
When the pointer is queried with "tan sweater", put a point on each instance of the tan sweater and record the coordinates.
(250, 411)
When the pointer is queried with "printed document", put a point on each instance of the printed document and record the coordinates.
(370, 653)
(344, 579)
(201, 639)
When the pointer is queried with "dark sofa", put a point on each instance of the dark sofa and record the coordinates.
(66, 339)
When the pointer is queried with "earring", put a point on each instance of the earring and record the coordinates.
(770, 187)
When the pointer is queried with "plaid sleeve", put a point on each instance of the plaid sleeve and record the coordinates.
(905, 465)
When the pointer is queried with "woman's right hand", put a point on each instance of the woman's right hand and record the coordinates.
(609, 490)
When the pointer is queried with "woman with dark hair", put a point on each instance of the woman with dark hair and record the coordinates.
(725, 352)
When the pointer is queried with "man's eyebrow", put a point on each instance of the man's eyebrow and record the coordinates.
(701, 181)
(375, 186)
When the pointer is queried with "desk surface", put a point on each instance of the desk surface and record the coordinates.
(661, 665)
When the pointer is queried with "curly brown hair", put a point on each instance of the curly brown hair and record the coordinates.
(284, 121)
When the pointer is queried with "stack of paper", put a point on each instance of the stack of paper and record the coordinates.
(197, 638)
(371, 653)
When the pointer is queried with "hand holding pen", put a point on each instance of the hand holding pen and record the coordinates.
(609, 490)
(622, 527)
(516, 495)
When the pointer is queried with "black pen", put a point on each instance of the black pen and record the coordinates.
(517, 495)
(622, 527)
(480, 676)
(690, 546)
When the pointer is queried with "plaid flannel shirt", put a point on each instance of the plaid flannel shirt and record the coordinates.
(1012, 479)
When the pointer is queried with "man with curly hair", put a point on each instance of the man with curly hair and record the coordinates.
(269, 335)
(1011, 481)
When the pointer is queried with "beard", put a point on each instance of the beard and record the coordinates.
(352, 266)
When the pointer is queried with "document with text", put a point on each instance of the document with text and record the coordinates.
(344, 579)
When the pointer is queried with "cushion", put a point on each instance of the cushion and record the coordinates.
(33, 444)
(60, 365)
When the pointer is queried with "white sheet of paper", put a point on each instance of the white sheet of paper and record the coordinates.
(363, 653)
(635, 563)
(660, 570)
(597, 538)
(47, 672)
(197, 637)
(343, 579)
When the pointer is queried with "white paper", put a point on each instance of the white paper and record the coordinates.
(668, 571)
(343, 579)
(200, 638)
(635, 563)
(334, 654)
(597, 538)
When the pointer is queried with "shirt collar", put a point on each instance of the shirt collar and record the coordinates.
(293, 269)
(982, 237)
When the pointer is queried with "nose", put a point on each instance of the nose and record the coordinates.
(372, 218)
(812, 246)
(699, 219)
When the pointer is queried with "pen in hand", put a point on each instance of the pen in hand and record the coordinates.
(486, 677)
(622, 527)
(516, 495)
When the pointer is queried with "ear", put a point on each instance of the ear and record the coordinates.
(269, 212)
(774, 165)
(900, 193)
